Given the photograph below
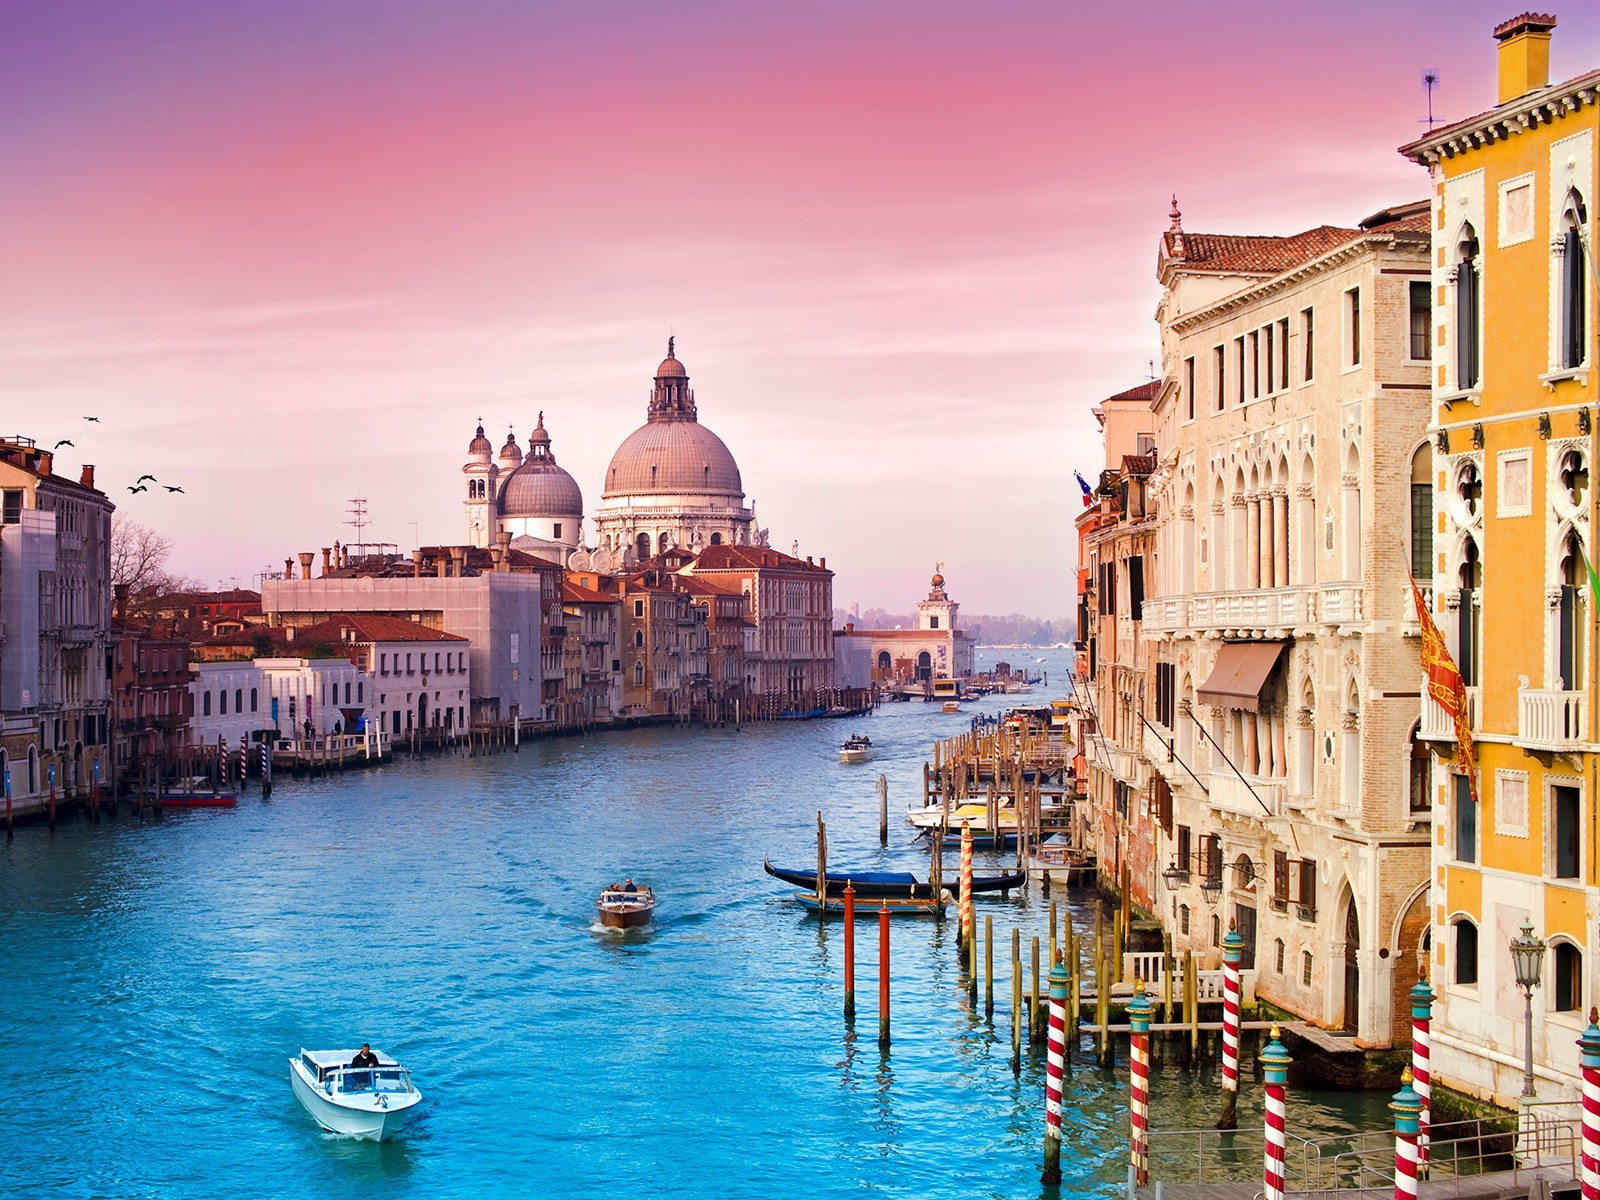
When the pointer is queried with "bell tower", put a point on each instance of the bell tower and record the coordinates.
(479, 501)
(938, 611)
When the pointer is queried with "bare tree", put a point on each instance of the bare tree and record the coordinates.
(138, 555)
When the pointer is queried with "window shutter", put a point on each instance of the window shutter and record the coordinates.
(1280, 875)
(1574, 289)
(1136, 587)
(1308, 884)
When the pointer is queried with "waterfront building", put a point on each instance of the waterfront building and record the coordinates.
(1282, 705)
(729, 628)
(55, 622)
(789, 603)
(672, 483)
(1116, 539)
(1513, 278)
(202, 614)
(493, 598)
(664, 645)
(592, 651)
(936, 648)
(149, 688)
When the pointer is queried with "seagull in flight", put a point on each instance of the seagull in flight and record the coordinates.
(96, 420)
(170, 488)
(140, 488)
(61, 443)
(142, 478)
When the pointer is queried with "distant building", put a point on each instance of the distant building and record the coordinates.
(150, 687)
(55, 620)
(938, 648)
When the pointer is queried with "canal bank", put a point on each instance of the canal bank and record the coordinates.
(443, 909)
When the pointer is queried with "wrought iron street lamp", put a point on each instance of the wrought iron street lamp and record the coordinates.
(1527, 961)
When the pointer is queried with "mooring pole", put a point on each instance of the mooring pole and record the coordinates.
(883, 976)
(1406, 1106)
(1589, 1063)
(883, 810)
(1275, 1060)
(1421, 1078)
(1055, 1059)
(1139, 1013)
(849, 952)
(1232, 953)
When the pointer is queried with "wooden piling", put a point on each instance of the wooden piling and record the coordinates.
(1102, 994)
(1166, 978)
(1016, 1001)
(1053, 930)
(988, 964)
(1191, 1004)
(883, 810)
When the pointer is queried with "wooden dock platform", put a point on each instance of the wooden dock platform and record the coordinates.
(1560, 1179)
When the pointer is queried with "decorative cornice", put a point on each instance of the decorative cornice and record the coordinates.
(1543, 107)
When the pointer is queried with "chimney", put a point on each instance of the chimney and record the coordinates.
(87, 478)
(306, 558)
(119, 608)
(823, 562)
(327, 559)
(458, 556)
(441, 566)
(288, 568)
(809, 562)
(504, 540)
(1524, 54)
(416, 564)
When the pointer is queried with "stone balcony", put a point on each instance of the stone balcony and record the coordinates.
(1229, 793)
(1552, 720)
(1340, 603)
(1436, 723)
(1276, 611)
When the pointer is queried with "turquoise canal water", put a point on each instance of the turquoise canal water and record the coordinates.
(156, 977)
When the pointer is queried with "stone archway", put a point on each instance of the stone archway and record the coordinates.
(924, 666)
(1409, 949)
(1352, 966)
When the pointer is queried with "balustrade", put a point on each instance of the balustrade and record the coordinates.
(1551, 720)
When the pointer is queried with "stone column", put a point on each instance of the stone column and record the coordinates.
(1280, 530)
(1268, 541)
(1252, 542)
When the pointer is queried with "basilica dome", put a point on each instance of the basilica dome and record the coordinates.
(672, 453)
(540, 488)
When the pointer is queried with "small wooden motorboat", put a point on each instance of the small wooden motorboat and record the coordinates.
(197, 792)
(856, 749)
(951, 706)
(874, 885)
(626, 905)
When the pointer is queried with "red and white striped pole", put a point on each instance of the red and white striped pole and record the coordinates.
(1139, 1013)
(1421, 1080)
(1406, 1106)
(1232, 955)
(1055, 1067)
(244, 760)
(1589, 1045)
(1275, 1062)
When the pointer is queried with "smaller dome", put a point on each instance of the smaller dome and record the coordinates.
(480, 444)
(511, 452)
(670, 366)
(540, 488)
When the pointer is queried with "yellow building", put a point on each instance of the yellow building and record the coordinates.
(1514, 282)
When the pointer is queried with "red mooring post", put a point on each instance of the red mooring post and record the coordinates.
(849, 951)
(1589, 1060)
(1275, 1062)
(1139, 1014)
(883, 977)
(1421, 1078)
(1055, 1065)
(1406, 1106)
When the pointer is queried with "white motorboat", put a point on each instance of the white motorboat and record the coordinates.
(856, 749)
(974, 814)
(369, 1103)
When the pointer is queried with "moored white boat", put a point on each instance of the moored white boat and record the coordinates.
(369, 1103)
(975, 815)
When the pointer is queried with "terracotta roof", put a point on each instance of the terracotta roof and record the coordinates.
(1138, 464)
(371, 627)
(576, 593)
(735, 558)
(1145, 391)
(1252, 254)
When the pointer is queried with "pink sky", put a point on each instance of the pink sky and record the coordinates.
(289, 252)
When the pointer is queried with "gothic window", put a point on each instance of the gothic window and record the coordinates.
(1466, 964)
(1469, 304)
(1570, 635)
(1574, 286)
(1422, 515)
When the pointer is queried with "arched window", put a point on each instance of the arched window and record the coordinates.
(716, 539)
(1183, 919)
(205, 704)
(1277, 955)
(238, 700)
(33, 768)
(252, 699)
(222, 702)
(1422, 515)
(643, 546)
(1469, 303)
(1566, 984)
(1421, 772)
(885, 663)
(924, 666)
(638, 673)
(1468, 633)
(1216, 930)
(1570, 635)
(1572, 315)
(1466, 939)
(1351, 749)
(638, 638)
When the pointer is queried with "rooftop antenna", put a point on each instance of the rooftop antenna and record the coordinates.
(358, 518)
(1430, 81)
(1150, 367)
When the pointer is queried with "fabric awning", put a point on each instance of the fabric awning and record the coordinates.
(1239, 674)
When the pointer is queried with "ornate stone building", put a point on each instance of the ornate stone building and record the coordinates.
(533, 499)
(672, 483)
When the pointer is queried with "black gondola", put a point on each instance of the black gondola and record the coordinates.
(879, 884)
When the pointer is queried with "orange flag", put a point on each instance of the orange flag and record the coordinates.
(1446, 687)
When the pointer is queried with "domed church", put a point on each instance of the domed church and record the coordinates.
(672, 482)
(533, 499)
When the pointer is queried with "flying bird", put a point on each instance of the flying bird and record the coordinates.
(142, 478)
(140, 488)
(96, 420)
(61, 443)
(170, 488)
